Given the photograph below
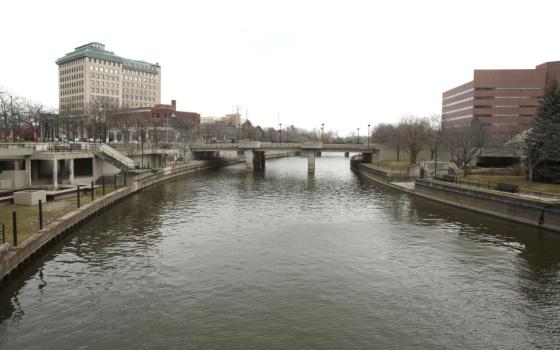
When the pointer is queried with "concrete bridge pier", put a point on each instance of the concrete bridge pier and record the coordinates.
(55, 173)
(28, 171)
(249, 160)
(311, 162)
(346, 154)
(259, 160)
(254, 160)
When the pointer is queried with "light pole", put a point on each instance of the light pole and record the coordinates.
(435, 165)
(142, 145)
(368, 126)
(358, 135)
(280, 134)
(322, 131)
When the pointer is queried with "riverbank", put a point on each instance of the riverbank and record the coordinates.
(526, 209)
(11, 258)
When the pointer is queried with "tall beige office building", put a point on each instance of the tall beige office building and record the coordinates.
(92, 77)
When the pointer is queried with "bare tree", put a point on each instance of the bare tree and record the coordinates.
(416, 135)
(390, 135)
(466, 140)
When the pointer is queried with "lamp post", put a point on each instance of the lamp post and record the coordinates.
(368, 126)
(322, 131)
(358, 135)
(280, 134)
(142, 145)
(435, 165)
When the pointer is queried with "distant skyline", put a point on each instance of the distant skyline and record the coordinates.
(341, 63)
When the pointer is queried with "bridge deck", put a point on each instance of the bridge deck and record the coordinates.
(266, 146)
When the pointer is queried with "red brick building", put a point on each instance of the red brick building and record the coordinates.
(160, 122)
(154, 115)
(503, 100)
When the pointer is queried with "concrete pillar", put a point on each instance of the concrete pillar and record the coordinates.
(71, 168)
(55, 173)
(28, 171)
(17, 165)
(258, 160)
(311, 162)
(249, 159)
(347, 154)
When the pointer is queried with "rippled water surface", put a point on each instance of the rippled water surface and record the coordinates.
(232, 259)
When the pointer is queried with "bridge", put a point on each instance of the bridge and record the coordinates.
(255, 151)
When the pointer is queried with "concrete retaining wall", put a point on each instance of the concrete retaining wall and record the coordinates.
(382, 174)
(14, 257)
(532, 212)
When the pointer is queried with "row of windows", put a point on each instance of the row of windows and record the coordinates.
(71, 91)
(72, 98)
(72, 77)
(505, 106)
(102, 76)
(149, 87)
(72, 84)
(459, 94)
(459, 109)
(506, 88)
(104, 84)
(137, 104)
(139, 98)
(71, 105)
(143, 80)
(502, 115)
(104, 91)
(102, 69)
(104, 98)
(71, 70)
(140, 92)
(134, 72)
(104, 62)
(72, 63)
(457, 102)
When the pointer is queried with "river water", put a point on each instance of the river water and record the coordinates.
(229, 259)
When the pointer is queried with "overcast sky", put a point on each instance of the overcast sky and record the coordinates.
(342, 63)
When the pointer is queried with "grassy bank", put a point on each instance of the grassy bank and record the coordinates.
(515, 180)
(28, 216)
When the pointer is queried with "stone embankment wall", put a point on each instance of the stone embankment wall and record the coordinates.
(382, 174)
(543, 213)
(12, 257)
(539, 213)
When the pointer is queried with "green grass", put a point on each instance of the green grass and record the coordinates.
(28, 216)
(515, 180)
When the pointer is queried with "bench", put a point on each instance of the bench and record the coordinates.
(507, 187)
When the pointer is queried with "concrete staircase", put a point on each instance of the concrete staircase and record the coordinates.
(114, 157)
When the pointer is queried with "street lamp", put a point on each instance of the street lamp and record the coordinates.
(142, 145)
(435, 165)
(280, 133)
(322, 131)
(358, 135)
(368, 126)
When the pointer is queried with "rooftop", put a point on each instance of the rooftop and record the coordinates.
(97, 50)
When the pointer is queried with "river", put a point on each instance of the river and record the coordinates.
(229, 259)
